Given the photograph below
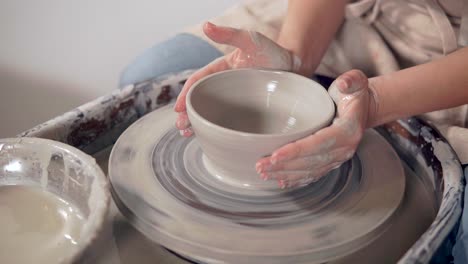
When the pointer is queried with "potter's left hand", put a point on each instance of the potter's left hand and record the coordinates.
(306, 160)
(253, 50)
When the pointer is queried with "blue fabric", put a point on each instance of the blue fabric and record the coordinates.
(460, 249)
(444, 253)
(182, 52)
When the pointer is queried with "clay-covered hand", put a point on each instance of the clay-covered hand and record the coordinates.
(308, 159)
(253, 50)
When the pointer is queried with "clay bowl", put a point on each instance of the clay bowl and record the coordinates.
(239, 116)
(68, 174)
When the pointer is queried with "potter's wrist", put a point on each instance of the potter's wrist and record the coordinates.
(373, 115)
(296, 63)
(302, 65)
(302, 62)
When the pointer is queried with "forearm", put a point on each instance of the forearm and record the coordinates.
(437, 85)
(308, 29)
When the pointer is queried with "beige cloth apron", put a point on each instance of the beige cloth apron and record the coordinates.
(378, 37)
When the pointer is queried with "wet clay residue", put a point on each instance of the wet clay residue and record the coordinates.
(165, 96)
(426, 147)
(86, 132)
(122, 108)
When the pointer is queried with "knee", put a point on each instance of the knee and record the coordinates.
(179, 53)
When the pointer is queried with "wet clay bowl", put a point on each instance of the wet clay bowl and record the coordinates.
(66, 192)
(239, 116)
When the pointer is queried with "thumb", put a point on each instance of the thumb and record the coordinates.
(351, 82)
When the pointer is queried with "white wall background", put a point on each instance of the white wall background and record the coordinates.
(58, 54)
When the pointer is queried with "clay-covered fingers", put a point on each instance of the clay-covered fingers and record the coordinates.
(183, 124)
(285, 179)
(350, 82)
(351, 94)
(230, 36)
(288, 179)
(317, 154)
(291, 183)
(224, 35)
(310, 169)
(253, 49)
(353, 98)
(217, 65)
(314, 156)
(306, 163)
(324, 143)
(182, 121)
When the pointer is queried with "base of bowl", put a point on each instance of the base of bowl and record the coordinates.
(242, 178)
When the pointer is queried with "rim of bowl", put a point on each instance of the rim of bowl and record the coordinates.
(99, 215)
(315, 128)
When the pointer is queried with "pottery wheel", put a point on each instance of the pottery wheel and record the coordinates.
(161, 185)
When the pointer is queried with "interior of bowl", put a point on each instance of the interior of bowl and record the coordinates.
(261, 102)
(61, 170)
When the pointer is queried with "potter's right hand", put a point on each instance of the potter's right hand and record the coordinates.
(308, 159)
(253, 50)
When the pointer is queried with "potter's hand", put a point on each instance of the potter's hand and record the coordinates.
(253, 50)
(306, 160)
